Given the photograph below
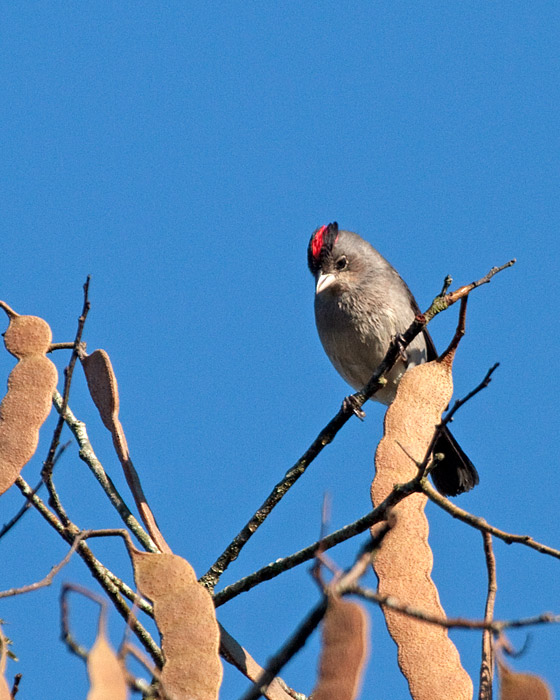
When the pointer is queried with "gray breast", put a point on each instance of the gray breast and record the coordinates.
(356, 341)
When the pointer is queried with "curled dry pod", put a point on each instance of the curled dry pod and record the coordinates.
(186, 619)
(105, 671)
(104, 390)
(426, 655)
(27, 404)
(343, 650)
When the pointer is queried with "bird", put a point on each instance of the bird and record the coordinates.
(361, 305)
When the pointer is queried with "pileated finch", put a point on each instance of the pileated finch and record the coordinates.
(361, 305)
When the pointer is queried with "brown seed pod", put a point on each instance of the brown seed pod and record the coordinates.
(27, 404)
(186, 619)
(344, 650)
(521, 686)
(5, 693)
(426, 655)
(105, 671)
(104, 390)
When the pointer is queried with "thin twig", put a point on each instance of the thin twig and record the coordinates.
(429, 462)
(48, 465)
(460, 329)
(61, 346)
(97, 569)
(49, 577)
(288, 650)
(482, 525)
(495, 626)
(487, 663)
(349, 408)
(65, 633)
(278, 567)
(15, 685)
(461, 402)
(27, 505)
(87, 455)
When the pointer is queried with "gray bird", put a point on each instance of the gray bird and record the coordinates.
(361, 305)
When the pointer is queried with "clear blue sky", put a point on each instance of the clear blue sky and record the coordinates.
(182, 156)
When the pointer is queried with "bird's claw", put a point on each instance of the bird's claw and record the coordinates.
(402, 347)
(350, 403)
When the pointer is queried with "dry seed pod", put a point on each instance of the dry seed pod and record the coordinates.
(426, 655)
(521, 686)
(5, 693)
(104, 390)
(343, 652)
(102, 385)
(27, 404)
(185, 616)
(105, 671)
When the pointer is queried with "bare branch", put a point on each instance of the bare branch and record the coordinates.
(487, 664)
(15, 685)
(49, 462)
(27, 505)
(340, 585)
(482, 525)
(49, 577)
(97, 569)
(345, 533)
(87, 455)
(349, 408)
(495, 626)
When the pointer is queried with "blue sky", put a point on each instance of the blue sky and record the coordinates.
(182, 156)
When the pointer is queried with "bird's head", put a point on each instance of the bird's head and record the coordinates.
(335, 258)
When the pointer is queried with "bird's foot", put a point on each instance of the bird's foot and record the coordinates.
(351, 403)
(402, 347)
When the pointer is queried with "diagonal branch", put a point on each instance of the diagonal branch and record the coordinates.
(88, 456)
(48, 579)
(48, 465)
(482, 525)
(349, 408)
(68, 372)
(496, 626)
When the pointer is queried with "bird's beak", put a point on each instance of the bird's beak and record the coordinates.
(324, 281)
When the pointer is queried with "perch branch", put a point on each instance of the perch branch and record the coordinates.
(349, 408)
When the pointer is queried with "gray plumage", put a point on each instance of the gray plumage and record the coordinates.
(361, 305)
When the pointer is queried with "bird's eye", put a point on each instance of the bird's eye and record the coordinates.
(341, 263)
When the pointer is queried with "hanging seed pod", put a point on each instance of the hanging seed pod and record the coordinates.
(427, 657)
(27, 404)
(186, 619)
(343, 650)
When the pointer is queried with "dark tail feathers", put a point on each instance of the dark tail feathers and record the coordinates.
(456, 473)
